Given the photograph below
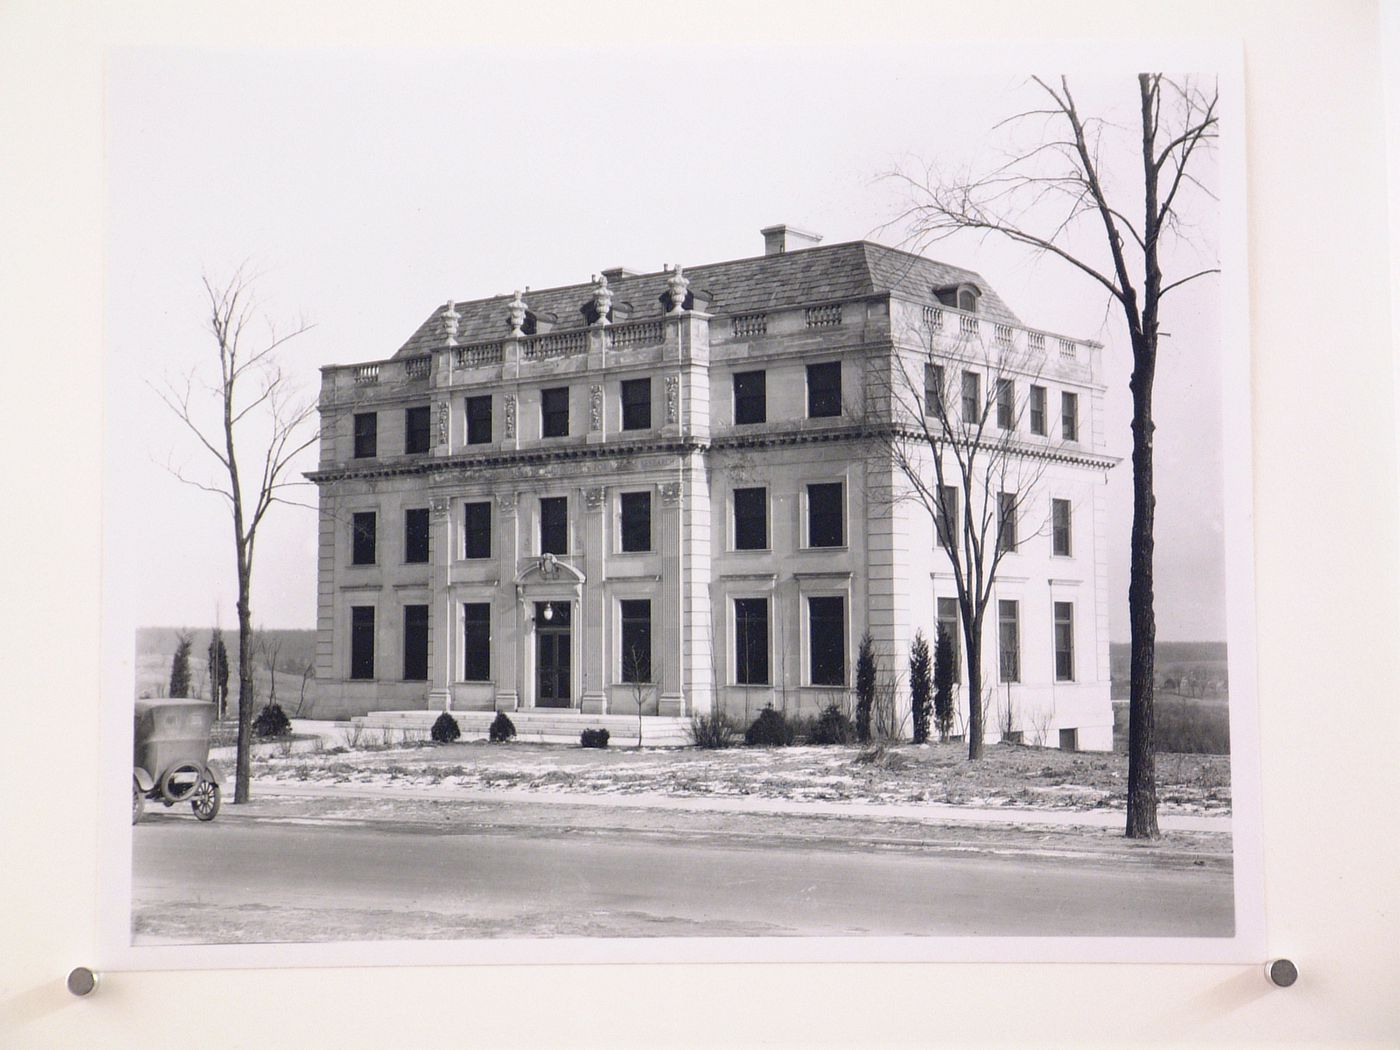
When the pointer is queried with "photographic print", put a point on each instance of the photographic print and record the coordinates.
(734, 503)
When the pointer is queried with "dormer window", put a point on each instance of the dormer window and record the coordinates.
(959, 296)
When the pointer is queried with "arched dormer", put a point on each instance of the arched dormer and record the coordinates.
(963, 296)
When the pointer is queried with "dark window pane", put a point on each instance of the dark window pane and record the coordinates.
(415, 535)
(366, 435)
(825, 516)
(1064, 641)
(933, 391)
(476, 641)
(554, 525)
(971, 397)
(946, 522)
(554, 412)
(1038, 410)
(1069, 416)
(948, 624)
(636, 641)
(417, 429)
(1006, 520)
(1061, 526)
(636, 521)
(750, 397)
(415, 643)
(1006, 404)
(476, 529)
(362, 641)
(479, 420)
(362, 529)
(636, 404)
(967, 300)
(751, 641)
(750, 519)
(1009, 640)
(824, 389)
(827, 640)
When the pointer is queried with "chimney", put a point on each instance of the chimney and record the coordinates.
(779, 239)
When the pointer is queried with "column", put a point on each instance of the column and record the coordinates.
(443, 638)
(507, 627)
(667, 612)
(590, 632)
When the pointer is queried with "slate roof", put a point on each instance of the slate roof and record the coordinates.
(739, 286)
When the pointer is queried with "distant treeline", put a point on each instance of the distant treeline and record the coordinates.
(1169, 654)
(295, 648)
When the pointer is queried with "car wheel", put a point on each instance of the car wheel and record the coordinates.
(138, 801)
(205, 800)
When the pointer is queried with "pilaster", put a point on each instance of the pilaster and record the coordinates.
(590, 634)
(507, 630)
(441, 636)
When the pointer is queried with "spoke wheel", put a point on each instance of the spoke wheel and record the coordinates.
(205, 800)
(138, 801)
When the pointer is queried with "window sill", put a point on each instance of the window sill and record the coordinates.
(760, 550)
(823, 550)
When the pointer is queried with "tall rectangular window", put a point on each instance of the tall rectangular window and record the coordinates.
(1069, 415)
(366, 435)
(826, 639)
(415, 643)
(1006, 521)
(933, 391)
(554, 525)
(824, 389)
(554, 412)
(971, 397)
(946, 522)
(415, 535)
(1061, 541)
(948, 623)
(636, 521)
(476, 530)
(1064, 641)
(636, 640)
(750, 398)
(476, 641)
(479, 420)
(362, 641)
(417, 429)
(1038, 410)
(826, 515)
(1009, 640)
(362, 542)
(751, 641)
(1006, 404)
(750, 519)
(636, 404)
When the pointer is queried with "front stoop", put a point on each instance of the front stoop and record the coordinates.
(538, 727)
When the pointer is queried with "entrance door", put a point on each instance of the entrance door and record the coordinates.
(553, 663)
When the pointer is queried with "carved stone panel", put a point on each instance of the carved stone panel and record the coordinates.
(670, 493)
(595, 401)
(673, 399)
(510, 415)
(594, 498)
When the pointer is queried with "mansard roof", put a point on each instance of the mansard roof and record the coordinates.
(765, 282)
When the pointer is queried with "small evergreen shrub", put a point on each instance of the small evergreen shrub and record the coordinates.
(713, 731)
(272, 721)
(832, 727)
(921, 686)
(445, 729)
(769, 729)
(866, 670)
(502, 728)
(593, 738)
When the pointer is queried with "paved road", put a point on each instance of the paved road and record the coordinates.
(273, 880)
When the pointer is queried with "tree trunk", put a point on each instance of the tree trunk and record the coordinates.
(974, 694)
(243, 770)
(1142, 772)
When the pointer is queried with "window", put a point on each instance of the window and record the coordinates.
(1009, 640)
(636, 404)
(636, 521)
(1064, 641)
(824, 389)
(948, 624)
(415, 535)
(415, 643)
(1006, 521)
(417, 429)
(476, 530)
(362, 641)
(554, 412)
(751, 641)
(971, 397)
(967, 300)
(1038, 410)
(826, 622)
(636, 640)
(1006, 404)
(750, 519)
(933, 391)
(1060, 540)
(750, 398)
(826, 525)
(946, 522)
(1069, 415)
(479, 420)
(362, 528)
(366, 435)
(554, 525)
(476, 641)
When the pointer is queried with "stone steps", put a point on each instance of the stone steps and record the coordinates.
(537, 727)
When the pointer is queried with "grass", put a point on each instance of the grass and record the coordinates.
(1183, 726)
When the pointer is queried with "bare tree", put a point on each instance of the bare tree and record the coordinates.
(636, 672)
(1041, 197)
(261, 419)
(270, 649)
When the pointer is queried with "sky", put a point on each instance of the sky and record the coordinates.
(364, 188)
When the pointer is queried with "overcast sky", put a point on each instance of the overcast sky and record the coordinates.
(366, 188)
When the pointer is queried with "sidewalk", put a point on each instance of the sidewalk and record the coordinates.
(930, 812)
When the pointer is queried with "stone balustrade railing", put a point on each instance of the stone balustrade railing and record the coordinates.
(937, 322)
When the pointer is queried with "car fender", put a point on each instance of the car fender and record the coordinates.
(215, 774)
(144, 780)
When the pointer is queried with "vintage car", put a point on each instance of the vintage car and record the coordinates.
(171, 762)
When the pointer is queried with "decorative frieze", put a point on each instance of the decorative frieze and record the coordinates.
(510, 415)
(673, 399)
(595, 407)
(444, 419)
